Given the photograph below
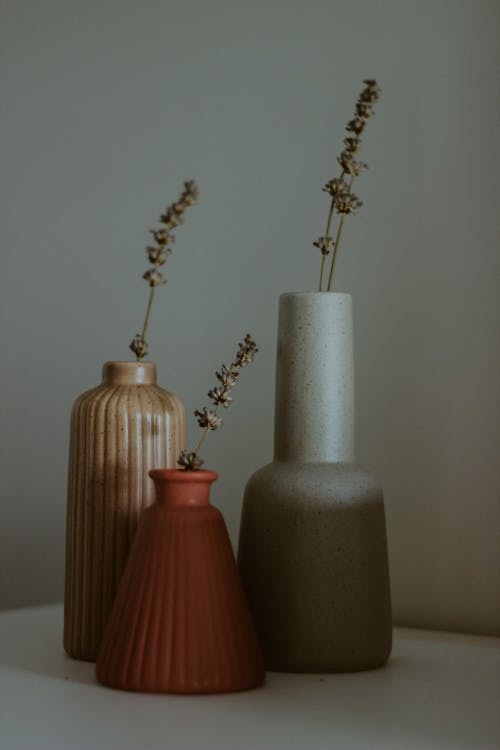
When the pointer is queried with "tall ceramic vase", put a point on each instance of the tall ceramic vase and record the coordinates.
(180, 622)
(313, 551)
(119, 431)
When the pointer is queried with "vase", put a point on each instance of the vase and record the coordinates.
(312, 549)
(180, 622)
(119, 431)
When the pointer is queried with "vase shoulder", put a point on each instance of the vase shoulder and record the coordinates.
(90, 394)
(322, 483)
(112, 398)
(186, 515)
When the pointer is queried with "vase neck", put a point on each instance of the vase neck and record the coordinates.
(182, 488)
(129, 373)
(314, 412)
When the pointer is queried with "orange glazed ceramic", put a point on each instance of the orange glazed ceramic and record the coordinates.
(180, 622)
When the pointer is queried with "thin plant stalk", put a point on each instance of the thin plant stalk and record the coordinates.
(219, 395)
(157, 253)
(148, 313)
(323, 256)
(204, 435)
(342, 199)
(334, 254)
(336, 244)
(327, 234)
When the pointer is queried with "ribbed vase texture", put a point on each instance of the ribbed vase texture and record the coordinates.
(180, 622)
(119, 431)
(313, 550)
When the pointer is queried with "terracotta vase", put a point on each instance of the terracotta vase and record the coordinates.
(119, 431)
(313, 550)
(180, 622)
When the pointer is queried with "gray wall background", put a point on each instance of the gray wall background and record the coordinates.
(107, 106)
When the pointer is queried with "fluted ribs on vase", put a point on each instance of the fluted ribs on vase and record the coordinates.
(180, 622)
(119, 431)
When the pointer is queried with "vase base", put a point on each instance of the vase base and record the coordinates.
(376, 656)
(194, 689)
(340, 669)
(80, 656)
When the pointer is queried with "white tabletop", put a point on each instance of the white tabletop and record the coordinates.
(439, 691)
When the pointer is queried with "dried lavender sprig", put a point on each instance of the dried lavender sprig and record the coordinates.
(157, 255)
(207, 417)
(190, 461)
(347, 202)
(342, 199)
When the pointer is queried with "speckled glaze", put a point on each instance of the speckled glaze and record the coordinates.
(180, 622)
(119, 431)
(313, 550)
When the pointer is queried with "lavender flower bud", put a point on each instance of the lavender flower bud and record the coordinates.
(190, 461)
(208, 418)
(154, 277)
(139, 346)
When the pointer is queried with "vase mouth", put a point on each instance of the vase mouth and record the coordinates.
(181, 475)
(129, 373)
(325, 294)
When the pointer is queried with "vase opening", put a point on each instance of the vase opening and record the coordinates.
(323, 293)
(179, 487)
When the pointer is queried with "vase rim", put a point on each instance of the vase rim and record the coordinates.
(181, 475)
(315, 294)
(128, 364)
(129, 373)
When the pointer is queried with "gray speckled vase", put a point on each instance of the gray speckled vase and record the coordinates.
(313, 550)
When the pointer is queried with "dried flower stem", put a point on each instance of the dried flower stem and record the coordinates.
(343, 199)
(158, 252)
(334, 255)
(336, 244)
(148, 313)
(221, 394)
(327, 234)
(204, 436)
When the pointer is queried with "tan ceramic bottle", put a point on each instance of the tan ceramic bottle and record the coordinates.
(119, 432)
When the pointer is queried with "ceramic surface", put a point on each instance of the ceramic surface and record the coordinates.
(119, 431)
(180, 622)
(313, 550)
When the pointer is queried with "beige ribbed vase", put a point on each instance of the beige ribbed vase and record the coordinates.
(119, 432)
